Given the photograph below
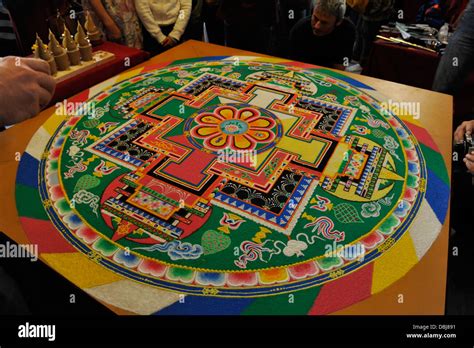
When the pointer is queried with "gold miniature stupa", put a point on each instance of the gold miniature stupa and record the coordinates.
(60, 54)
(85, 46)
(93, 32)
(71, 46)
(41, 51)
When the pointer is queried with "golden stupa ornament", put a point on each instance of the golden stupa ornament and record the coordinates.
(60, 54)
(41, 51)
(92, 31)
(85, 46)
(71, 46)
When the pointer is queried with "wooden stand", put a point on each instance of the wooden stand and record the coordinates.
(98, 58)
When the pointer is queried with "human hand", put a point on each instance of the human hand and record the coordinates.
(169, 42)
(469, 162)
(465, 128)
(26, 87)
(113, 32)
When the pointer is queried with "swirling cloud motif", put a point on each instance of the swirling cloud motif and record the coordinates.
(371, 209)
(391, 145)
(292, 248)
(86, 197)
(295, 247)
(402, 209)
(177, 250)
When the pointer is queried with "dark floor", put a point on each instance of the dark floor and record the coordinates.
(460, 285)
(32, 288)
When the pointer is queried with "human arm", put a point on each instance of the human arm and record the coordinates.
(296, 45)
(469, 161)
(148, 20)
(182, 20)
(113, 31)
(343, 55)
(26, 87)
(466, 128)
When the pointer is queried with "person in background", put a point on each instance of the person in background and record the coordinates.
(372, 14)
(458, 59)
(249, 24)
(454, 11)
(462, 191)
(8, 43)
(466, 128)
(289, 13)
(326, 38)
(165, 22)
(26, 87)
(118, 21)
(214, 24)
(195, 24)
(433, 13)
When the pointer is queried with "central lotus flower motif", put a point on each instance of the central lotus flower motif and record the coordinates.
(236, 129)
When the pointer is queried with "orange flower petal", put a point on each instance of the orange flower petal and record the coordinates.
(218, 140)
(262, 122)
(260, 135)
(207, 118)
(226, 113)
(241, 142)
(205, 131)
(246, 114)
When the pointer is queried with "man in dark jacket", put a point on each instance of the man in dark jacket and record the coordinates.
(326, 38)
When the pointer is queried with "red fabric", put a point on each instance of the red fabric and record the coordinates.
(100, 73)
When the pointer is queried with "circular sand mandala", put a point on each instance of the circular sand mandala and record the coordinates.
(235, 185)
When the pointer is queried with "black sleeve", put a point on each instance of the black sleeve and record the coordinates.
(268, 11)
(296, 50)
(346, 46)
